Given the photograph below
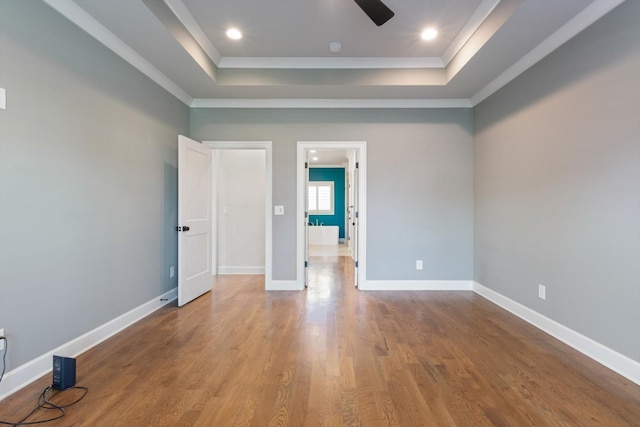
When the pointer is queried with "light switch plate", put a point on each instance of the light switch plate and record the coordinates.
(279, 210)
(3, 98)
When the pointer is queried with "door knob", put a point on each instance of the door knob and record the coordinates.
(185, 228)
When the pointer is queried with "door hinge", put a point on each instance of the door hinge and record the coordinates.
(306, 214)
(306, 264)
(357, 214)
(357, 165)
(306, 165)
(356, 264)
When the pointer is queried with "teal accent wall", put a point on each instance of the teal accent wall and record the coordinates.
(337, 176)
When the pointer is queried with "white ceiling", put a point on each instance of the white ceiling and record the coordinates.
(327, 157)
(283, 60)
(299, 28)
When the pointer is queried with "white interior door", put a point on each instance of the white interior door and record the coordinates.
(306, 223)
(194, 219)
(355, 220)
(351, 211)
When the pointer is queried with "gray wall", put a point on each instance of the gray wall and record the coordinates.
(557, 184)
(420, 181)
(88, 182)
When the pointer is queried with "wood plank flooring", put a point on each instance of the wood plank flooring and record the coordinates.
(329, 250)
(334, 356)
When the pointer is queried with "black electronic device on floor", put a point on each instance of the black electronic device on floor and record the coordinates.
(64, 372)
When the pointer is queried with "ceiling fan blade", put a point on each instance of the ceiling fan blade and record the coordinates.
(376, 10)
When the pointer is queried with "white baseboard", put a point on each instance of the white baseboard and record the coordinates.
(240, 270)
(25, 374)
(613, 360)
(284, 285)
(417, 285)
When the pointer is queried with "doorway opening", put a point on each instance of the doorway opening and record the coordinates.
(331, 220)
(242, 208)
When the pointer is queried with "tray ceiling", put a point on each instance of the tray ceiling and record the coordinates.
(283, 59)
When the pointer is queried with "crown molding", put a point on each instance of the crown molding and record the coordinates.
(331, 103)
(181, 12)
(89, 24)
(479, 16)
(578, 23)
(330, 63)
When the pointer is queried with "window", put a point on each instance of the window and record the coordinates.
(320, 198)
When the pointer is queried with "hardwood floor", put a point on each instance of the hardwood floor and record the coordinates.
(329, 250)
(332, 356)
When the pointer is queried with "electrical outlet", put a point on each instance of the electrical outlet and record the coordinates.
(542, 292)
(419, 264)
(2, 341)
(172, 272)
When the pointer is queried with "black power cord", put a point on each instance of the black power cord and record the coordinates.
(4, 356)
(43, 400)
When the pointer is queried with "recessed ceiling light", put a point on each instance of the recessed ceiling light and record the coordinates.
(234, 34)
(315, 159)
(429, 34)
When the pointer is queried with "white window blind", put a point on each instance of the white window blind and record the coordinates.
(320, 198)
(313, 198)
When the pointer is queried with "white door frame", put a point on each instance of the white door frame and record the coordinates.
(360, 148)
(250, 145)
